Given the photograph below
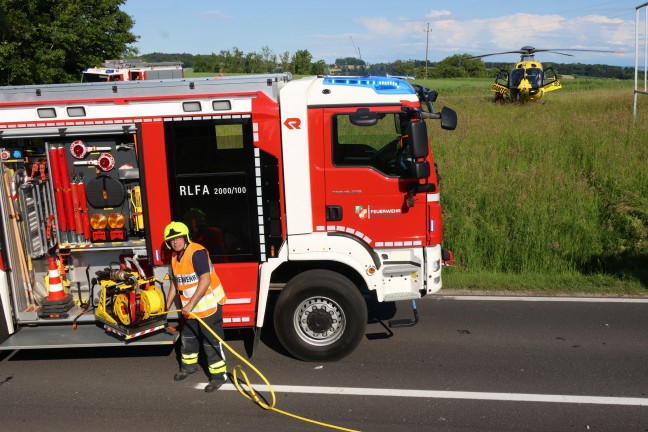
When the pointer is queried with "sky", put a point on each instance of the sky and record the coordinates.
(381, 31)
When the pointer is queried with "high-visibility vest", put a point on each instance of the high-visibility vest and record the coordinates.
(186, 281)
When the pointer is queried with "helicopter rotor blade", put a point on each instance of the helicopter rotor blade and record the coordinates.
(564, 54)
(577, 49)
(528, 50)
(493, 54)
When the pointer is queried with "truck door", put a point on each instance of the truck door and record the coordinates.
(215, 187)
(367, 177)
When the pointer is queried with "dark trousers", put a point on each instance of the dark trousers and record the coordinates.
(193, 335)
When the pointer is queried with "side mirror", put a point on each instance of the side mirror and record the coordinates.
(418, 139)
(421, 170)
(432, 95)
(448, 118)
(363, 117)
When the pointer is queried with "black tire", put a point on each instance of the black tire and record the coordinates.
(320, 316)
(4, 330)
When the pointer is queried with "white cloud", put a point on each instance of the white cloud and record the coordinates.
(382, 27)
(449, 35)
(438, 13)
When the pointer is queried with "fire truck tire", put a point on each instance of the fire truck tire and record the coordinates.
(320, 316)
(4, 330)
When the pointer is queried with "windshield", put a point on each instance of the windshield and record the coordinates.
(516, 77)
(99, 77)
(380, 146)
(534, 75)
(94, 77)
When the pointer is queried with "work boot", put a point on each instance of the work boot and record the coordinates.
(214, 384)
(181, 375)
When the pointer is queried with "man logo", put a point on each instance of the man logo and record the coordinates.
(292, 123)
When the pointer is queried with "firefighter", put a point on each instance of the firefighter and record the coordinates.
(201, 292)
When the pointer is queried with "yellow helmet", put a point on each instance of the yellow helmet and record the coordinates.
(175, 229)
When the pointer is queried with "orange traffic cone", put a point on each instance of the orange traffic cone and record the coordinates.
(57, 303)
(55, 290)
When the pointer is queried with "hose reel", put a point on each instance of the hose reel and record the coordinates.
(130, 304)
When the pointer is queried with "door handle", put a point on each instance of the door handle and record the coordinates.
(333, 213)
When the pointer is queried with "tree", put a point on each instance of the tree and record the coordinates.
(157, 57)
(285, 61)
(319, 68)
(254, 63)
(49, 41)
(207, 63)
(269, 59)
(458, 66)
(403, 68)
(301, 62)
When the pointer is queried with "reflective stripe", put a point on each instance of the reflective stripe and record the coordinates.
(190, 358)
(205, 304)
(219, 294)
(433, 197)
(218, 367)
(188, 279)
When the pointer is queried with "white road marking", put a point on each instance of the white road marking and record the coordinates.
(544, 299)
(440, 394)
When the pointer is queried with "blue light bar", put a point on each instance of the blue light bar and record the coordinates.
(381, 85)
(109, 71)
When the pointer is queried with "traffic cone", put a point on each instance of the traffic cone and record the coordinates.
(57, 302)
(55, 290)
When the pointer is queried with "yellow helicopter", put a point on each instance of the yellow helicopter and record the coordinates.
(528, 80)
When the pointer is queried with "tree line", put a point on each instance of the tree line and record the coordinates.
(45, 41)
(455, 66)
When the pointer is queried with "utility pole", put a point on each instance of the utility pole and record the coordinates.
(427, 39)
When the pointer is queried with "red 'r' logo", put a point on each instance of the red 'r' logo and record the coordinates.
(292, 123)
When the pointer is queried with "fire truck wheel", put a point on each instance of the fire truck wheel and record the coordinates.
(4, 330)
(320, 316)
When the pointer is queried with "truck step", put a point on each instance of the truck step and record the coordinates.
(406, 322)
(88, 335)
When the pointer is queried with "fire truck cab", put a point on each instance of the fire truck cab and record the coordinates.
(320, 191)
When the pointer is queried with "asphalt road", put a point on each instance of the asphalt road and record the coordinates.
(468, 365)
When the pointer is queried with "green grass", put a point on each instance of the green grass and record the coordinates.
(549, 195)
(540, 283)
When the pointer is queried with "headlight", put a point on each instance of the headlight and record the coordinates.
(436, 265)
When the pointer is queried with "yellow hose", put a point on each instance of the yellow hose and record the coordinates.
(252, 394)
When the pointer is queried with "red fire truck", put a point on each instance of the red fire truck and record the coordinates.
(312, 195)
(132, 70)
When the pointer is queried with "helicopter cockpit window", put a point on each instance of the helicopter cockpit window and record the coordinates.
(534, 75)
(516, 77)
(380, 146)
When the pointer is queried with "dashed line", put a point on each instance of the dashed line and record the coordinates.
(440, 394)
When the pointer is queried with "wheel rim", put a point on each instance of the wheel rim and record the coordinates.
(319, 321)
